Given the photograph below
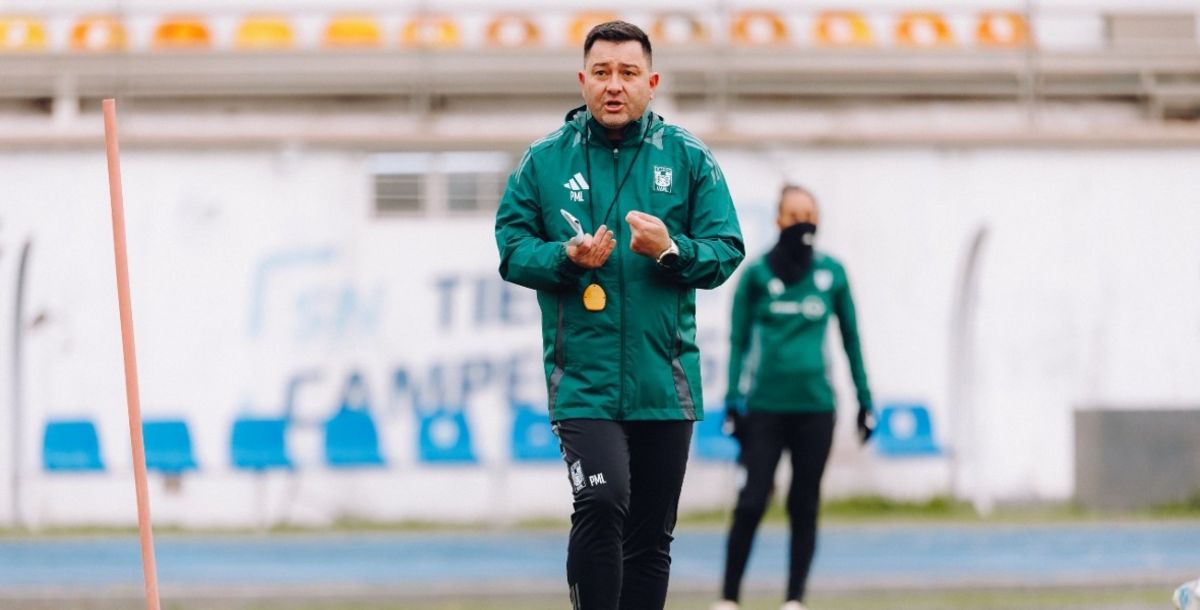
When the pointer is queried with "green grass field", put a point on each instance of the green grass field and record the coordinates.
(855, 510)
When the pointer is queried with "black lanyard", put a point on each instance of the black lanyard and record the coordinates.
(587, 162)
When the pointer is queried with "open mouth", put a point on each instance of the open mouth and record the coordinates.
(614, 106)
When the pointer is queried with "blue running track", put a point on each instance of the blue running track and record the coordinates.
(860, 557)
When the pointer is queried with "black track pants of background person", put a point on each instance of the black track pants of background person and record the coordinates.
(626, 477)
(808, 438)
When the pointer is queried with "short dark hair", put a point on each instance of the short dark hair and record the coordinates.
(796, 188)
(618, 31)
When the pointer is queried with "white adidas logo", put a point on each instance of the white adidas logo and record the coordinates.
(577, 185)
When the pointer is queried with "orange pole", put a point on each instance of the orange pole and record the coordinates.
(149, 571)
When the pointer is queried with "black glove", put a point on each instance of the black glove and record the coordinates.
(734, 418)
(866, 424)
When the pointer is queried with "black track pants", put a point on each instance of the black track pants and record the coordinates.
(808, 438)
(626, 477)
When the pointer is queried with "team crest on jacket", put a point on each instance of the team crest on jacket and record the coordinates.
(775, 287)
(823, 278)
(662, 179)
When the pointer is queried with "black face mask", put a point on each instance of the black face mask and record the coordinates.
(792, 257)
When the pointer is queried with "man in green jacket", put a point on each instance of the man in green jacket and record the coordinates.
(615, 219)
(781, 311)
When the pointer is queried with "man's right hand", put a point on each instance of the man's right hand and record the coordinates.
(593, 250)
(735, 419)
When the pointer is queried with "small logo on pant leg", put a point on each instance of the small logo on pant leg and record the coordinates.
(596, 479)
(577, 476)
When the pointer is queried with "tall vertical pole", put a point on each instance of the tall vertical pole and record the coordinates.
(132, 397)
(18, 390)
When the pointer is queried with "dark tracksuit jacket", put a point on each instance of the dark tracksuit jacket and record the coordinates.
(637, 358)
(783, 328)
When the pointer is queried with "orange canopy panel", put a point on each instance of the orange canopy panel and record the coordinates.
(679, 28)
(755, 28)
(1002, 29)
(923, 30)
(21, 33)
(513, 31)
(434, 31)
(99, 33)
(584, 22)
(353, 31)
(182, 33)
(842, 29)
(264, 32)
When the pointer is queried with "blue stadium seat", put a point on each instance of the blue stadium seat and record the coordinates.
(711, 443)
(445, 437)
(351, 439)
(168, 446)
(533, 439)
(71, 446)
(905, 430)
(260, 444)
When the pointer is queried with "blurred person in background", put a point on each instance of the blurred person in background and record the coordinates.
(781, 310)
(618, 323)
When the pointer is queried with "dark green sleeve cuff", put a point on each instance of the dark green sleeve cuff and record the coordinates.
(567, 267)
(687, 253)
(864, 402)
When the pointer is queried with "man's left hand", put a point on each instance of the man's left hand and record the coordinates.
(649, 235)
(866, 424)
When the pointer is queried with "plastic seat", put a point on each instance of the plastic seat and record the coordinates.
(712, 443)
(351, 439)
(99, 33)
(259, 444)
(19, 33)
(923, 30)
(71, 445)
(679, 28)
(264, 33)
(430, 31)
(168, 446)
(533, 438)
(752, 28)
(445, 437)
(842, 29)
(1001, 29)
(353, 31)
(513, 31)
(182, 33)
(584, 22)
(905, 430)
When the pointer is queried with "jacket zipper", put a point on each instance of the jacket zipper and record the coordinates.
(621, 288)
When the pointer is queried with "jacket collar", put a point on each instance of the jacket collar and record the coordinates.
(581, 118)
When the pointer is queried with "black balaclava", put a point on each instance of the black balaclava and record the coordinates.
(792, 257)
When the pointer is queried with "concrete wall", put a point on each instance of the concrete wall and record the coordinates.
(264, 285)
(1129, 459)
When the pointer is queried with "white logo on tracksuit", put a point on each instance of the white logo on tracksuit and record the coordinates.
(577, 185)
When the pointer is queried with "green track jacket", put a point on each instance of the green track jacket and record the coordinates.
(784, 328)
(637, 358)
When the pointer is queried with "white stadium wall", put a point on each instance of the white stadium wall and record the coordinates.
(264, 286)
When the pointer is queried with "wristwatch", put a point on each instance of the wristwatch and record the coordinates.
(669, 256)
